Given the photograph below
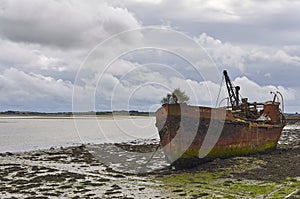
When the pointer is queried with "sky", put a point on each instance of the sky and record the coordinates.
(69, 55)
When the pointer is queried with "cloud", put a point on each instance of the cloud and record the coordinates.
(257, 92)
(235, 56)
(190, 10)
(150, 83)
(224, 54)
(24, 91)
(272, 55)
(43, 43)
(62, 24)
(265, 22)
(13, 54)
(39, 59)
(214, 10)
(207, 92)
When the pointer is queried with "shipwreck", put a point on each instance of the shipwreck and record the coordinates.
(190, 135)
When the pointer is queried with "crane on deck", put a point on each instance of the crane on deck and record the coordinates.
(233, 91)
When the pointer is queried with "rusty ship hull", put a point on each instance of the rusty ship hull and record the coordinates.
(183, 129)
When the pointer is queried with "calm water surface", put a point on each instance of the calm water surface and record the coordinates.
(29, 133)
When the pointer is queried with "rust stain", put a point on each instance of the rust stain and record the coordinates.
(246, 129)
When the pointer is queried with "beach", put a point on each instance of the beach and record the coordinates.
(136, 170)
(142, 99)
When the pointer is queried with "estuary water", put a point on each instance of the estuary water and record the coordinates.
(31, 133)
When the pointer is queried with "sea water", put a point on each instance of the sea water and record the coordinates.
(30, 133)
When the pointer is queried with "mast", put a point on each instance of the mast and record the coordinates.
(233, 92)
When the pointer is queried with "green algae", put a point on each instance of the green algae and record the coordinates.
(221, 152)
(206, 184)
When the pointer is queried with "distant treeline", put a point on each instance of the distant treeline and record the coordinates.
(292, 118)
(31, 113)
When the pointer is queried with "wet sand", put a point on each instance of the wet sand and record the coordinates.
(134, 170)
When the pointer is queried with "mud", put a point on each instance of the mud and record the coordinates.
(273, 174)
(137, 170)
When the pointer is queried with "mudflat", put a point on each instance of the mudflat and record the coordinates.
(137, 170)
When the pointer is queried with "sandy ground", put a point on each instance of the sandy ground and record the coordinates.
(124, 171)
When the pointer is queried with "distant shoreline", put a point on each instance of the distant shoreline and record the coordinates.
(289, 118)
(75, 114)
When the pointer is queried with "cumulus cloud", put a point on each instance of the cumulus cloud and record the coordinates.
(13, 54)
(279, 55)
(62, 23)
(33, 91)
(19, 89)
(257, 92)
(53, 37)
(39, 59)
(191, 10)
(43, 43)
(224, 54)
(234, 56)
(266, 22)
(213, 11)
(141, 86)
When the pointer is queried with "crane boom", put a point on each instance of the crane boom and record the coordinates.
(233, 92)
